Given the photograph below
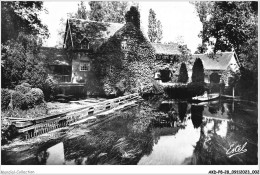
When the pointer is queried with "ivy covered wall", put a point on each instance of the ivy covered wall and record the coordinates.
(124, 64)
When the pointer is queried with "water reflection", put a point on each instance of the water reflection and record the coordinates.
(182, 109)
(169, 133)
(196, 115)
(173, 149)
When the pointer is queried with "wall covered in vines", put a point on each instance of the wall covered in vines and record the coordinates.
(124, 64)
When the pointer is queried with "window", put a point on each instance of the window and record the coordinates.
(84, 67)
(123, 45)
(84, 44)
(111, 69)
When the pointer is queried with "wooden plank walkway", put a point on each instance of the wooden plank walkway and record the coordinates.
(40, 125)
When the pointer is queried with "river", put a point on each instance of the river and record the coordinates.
(155, 131)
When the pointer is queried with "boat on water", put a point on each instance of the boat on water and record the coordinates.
(206, 97)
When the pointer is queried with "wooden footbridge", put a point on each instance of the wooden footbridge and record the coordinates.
(29, 128)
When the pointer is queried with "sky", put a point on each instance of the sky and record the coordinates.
(179, 20)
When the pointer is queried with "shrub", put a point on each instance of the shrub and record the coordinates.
(50, 89)
(23, 89)
(183, 76)
(5, 98)
(37, 94)
(179, 91)
(157, 88)
(195, 89)
(26, 85)
(19, 100)
(29, 100)
(197, 71)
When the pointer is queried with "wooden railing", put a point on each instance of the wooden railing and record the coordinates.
(33, 127)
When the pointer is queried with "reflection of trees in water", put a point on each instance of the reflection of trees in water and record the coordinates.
(182, 109)
(196, 115)
(118, 141)
(164, 120)
(169, 117)
(205, 151)
(215, 107)
(213, 110)
(211, 147)
(42, 157)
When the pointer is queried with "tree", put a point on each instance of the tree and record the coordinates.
(21, 16)
(154, 28)
(183, 75)
(82, 13)
(133, 16)
(204, 9)
(234, 25)
(159, 31)
(201, 49)
(152, 32)
(22, 62)
(108, 11)
(197, 71)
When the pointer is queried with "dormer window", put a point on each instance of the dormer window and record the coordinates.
(84, 44)
(78, 23)
(124, 45)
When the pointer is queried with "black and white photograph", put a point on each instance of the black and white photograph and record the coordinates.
(129, 83)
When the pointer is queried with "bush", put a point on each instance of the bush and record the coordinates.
(19, 100)
(50, 89)
(26, 85)
(157, 88)
(29, 100)
(37, 94)
(196, 89)
(179, 91)
(214, 87)
(183, 76)
(5, 98)
(23, 89)
(197, 71)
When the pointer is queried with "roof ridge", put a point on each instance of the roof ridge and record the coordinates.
(87, 20)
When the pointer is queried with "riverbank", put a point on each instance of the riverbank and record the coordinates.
(44, 109)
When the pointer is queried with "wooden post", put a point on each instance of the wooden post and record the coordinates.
(233, 105)
(233, 92)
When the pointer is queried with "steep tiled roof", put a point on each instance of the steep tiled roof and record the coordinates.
(166, 49)
(55, 56)
(220, 61)
(95, 32)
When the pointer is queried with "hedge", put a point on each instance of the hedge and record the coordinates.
(185, 91)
